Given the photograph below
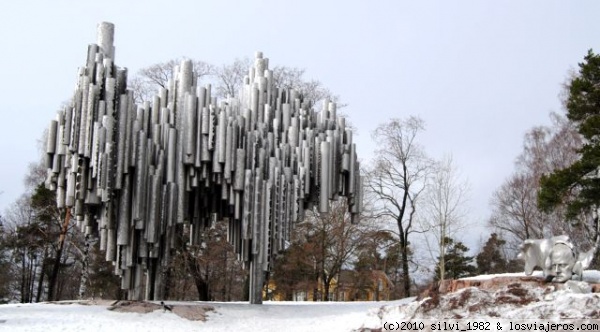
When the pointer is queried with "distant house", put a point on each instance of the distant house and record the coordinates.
(349, 285)
(371, 285)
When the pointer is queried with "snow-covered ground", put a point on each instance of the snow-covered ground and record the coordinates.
(515, 301)
(239, 317)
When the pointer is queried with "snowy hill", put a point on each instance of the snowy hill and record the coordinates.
(512, 301)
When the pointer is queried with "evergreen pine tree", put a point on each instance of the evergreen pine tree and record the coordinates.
(490, 260)
(578, 185)
(456, 263)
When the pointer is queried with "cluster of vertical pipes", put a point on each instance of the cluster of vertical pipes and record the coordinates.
(134, 175)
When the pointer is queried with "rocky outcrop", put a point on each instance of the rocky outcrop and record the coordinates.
(494, 299)
(495, 283)
(492, 284)
(517, 297)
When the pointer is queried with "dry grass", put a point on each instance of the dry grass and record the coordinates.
(195, 312)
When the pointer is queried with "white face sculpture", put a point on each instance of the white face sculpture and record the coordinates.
(555, 256)
(561, 262)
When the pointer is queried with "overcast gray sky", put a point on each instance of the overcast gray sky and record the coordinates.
(480, 73)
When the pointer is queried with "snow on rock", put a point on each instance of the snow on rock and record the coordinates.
(449, 286)
(500, 297)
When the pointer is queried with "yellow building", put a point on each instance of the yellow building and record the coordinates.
(347, 286)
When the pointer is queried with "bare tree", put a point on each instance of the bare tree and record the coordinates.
(39, 238)
(332, 242)
(514, 209)
(230, 78)
(311, 90)
(37, 171)
(6, 270)
(373, 255)
(142, 89)
(212, 265)
(149, 79)
(23, 240)
(515, 212)
(322, 245)
(397, 178)
(444, 209)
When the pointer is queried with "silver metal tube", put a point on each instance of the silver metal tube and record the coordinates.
(353, 171)
(199, 125)
(121, 140)
(139, 207)
(221, 136)
(171, 150)
(240, 169)
(111, 245)
(124, 216)
(324, 181)
(247, 206)
(86, 140)
(94, 164)
(229, 156)
(257, 222)
(109, 172)
(154, 213)
(106, 34)
(51, 141)
(190, 130)
(186, 76)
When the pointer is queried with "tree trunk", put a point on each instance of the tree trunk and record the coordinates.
(230, 284)
(202, 288)
(442, 263)
(316, 289)
(405, 270)
(404, 256)
(85, 263)
(54, 275)
(326, 285)
(246, 290)
(32, 269)
(167, 283)
(38, 296)
(55, 269)
(23, 278)
(199, 280)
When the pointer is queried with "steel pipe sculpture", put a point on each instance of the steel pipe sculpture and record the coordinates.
(135, 174)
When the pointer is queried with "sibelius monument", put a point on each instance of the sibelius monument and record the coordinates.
(136, 175)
